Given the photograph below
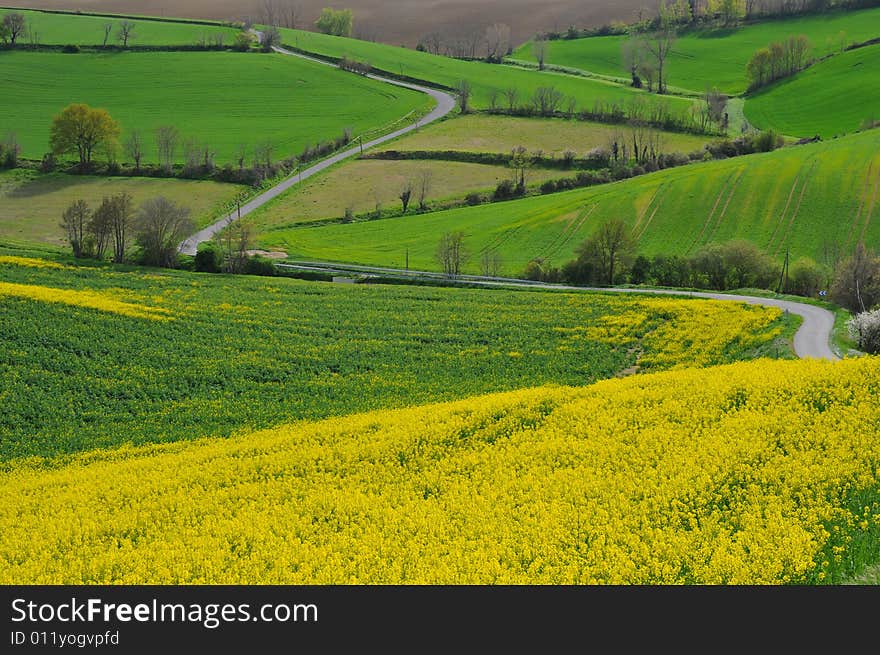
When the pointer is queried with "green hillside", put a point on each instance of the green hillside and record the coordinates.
(447, 72)
(702, 59)
(64, 29)
(809, 199)
(833, 97)
(220, 98)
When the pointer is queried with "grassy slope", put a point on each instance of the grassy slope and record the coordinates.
(840, 93)
(830, 189)
(704, 59)
(240, 353)
(224, 99)
(360, 184)
(63, 29)
(447, 71)
(500, 134)
(31, 204)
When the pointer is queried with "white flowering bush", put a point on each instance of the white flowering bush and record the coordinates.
(865, 331)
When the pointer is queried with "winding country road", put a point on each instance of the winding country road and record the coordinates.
(811, 341)
(445, 104)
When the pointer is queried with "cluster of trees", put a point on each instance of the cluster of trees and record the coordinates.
(229, 252)
(157, 228)
(355, 66)
(14, 29)
(337, 22)
(708, 116)
(491, 43)
(780, 59)
(281, 13)
(86, 132)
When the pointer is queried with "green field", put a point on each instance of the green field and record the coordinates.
(840, 93)
(703, 59)
(501, 134)
(220, 98)
(65, 29)
(97, 357)
(362, 184)
(446, 71)
(31, 205)
(809, 199)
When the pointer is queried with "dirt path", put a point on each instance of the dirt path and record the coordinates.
(445, 104)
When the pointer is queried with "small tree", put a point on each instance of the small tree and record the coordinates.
(82, 129)
(14, 26)
(74, 222)
(539, 49)
(270, 38)
(167, 137)
(161, 226)
(511, 94)
(520, 160)
(857, 281)
(807, 278)
(121, 219)
(243, 41)
(451, 253)
(108, 29)
(424, 188)
(490, 263)
(406, 194)
(100, 227)
(134, 148)
(125, 32)
(610, 251)
(463, 88)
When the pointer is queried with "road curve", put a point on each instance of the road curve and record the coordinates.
(811, 341)
(445, 104)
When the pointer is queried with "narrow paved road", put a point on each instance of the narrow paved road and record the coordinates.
(445, 104)
(812, 340)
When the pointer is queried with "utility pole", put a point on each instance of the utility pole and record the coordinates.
(783, 275)
(407, 260)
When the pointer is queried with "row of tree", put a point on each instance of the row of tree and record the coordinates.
(14, 29)
(491, 43)
(157, 227)
(778, 60)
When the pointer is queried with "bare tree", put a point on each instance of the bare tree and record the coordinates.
(192, 153)
(108, 29)
(520, 160)
(424, 187)
(161, 226)
(134, 148)
(451, 253)
(490, 263)
(263, 154)
(124, 32)
(241, 156)
(14, 26)
(99, 228)
(497, 41)
(633, 55)
(539, 49)
(166, 144)
(433, 43)
(234, 243)
(291, 14)
(659, 43)
(270, 13)
(546, 100)
(463, 87)
(511, 94)
(270, 38)
(121, 219)
(405, 194)
(74, 222)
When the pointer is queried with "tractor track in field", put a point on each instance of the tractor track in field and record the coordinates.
(445, 104)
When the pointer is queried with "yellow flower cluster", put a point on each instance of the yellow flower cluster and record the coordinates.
(737, 474)
(677, 333)
(30, 262)
(100, 300)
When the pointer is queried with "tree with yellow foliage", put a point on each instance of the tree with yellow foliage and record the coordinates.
(83, 130)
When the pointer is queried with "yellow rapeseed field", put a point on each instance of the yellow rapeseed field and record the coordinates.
(31, 262)
(103, 301)
(737, 474)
